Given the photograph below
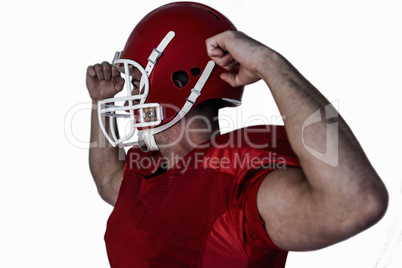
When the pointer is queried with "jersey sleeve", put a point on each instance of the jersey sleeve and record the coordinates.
(267, 153)
(254, 224)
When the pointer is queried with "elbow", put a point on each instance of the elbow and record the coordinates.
(105, 194)
(362, 210)
(108, 185)
(379, 204)
(373, 205)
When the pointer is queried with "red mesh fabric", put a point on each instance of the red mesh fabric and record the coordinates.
(197, 213)
(166, 225)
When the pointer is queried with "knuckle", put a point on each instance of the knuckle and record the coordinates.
(90, 71)
(106, 69)
(98, 68)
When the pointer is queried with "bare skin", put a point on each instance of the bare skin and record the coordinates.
(106, 166)
(107, 162)
(303, 209)
(196, 127)
(319, 204)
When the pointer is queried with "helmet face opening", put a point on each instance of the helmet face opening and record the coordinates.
(130, 107)
(165, 65)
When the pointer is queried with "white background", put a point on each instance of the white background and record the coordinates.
(51, 214)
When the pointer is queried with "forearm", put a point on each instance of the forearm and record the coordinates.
(106, 162)
(342, 169)
(336, 190)
(297, 100)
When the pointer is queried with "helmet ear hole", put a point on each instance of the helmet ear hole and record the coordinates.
(180, 78)
(195, 71)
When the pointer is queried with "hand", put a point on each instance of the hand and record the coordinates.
(239, 54)
(103, 81)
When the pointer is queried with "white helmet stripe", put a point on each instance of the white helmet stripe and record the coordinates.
(195, 92)
(156, 54)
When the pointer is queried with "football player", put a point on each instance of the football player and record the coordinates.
(187, 195)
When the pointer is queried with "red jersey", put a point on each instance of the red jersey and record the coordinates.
(202, 212)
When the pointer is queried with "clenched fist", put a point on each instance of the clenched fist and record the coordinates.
(103, 81)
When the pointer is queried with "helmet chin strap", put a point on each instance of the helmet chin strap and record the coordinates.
(146, 140)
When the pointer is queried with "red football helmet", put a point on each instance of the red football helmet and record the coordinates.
(168, 47)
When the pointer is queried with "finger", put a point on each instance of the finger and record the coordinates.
(216, 45)
(91, 71)
(107, 73)
(118, 83)
(231, 79)
(115, 72)
(216, 52)
(228, 62)
(99, 71)
(136, 74)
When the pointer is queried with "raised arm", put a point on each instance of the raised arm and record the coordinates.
(106, 162)
(337, 192)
